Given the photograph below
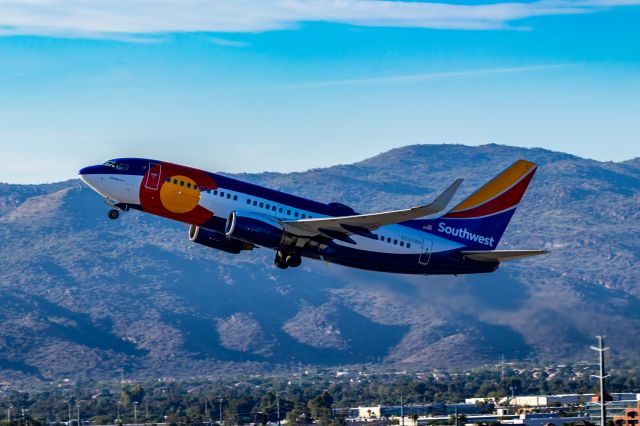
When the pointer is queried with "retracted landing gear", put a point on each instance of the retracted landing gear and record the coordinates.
(113, 214)
(284, 260)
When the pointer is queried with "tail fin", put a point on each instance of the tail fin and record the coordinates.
(480, 220)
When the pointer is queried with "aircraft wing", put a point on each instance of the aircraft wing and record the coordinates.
(342, 226)
(500, 255)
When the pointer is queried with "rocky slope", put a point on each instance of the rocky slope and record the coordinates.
(84, 296)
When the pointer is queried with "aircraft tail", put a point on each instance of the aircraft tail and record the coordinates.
(480, 220)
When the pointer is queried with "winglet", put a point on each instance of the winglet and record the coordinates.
(441, 202)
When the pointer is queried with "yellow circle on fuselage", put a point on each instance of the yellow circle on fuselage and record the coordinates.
(180, 194)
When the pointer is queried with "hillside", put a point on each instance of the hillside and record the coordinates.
(84, 296)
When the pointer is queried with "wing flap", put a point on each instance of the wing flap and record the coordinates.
(364, 223)
(500, 255)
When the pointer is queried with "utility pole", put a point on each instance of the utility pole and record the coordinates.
(299, 373)
(69, 413)
(402, 408)
(206, 410)
(220, 405)
(456, 414)
(135, 413)
(78, 412)
(9, 415)
(146, 406)
(278, 407)
(601, 349)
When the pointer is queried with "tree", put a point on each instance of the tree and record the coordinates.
(132, 394)
(321, 407)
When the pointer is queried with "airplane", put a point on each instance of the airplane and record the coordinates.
(233, 216)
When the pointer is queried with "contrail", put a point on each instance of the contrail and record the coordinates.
(416, 77)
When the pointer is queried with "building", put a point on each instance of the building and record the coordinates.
(434, 409)
(617, 408)
(551, 400)
(543, 419)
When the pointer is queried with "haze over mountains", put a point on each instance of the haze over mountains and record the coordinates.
(83, 296)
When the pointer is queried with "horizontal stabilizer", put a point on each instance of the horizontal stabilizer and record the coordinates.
(500, 255)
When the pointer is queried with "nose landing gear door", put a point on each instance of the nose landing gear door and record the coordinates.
(152, 180)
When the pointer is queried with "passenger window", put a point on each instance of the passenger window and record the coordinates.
(208, 190)
(248, 201)
(267, 206)
(222, 194)
(181, 183)
(401, 243)
(261, 204)
(235, 198)
(175, 181)
(395, 242)
(195, 186)
(288, 212)
(296, 214)
(169, 180)
(273, 208)
(303, 215)
(408, 245)
(280, 210)
(215, 192)
(188, 185)
(228, 195)
(255, 203)
(388, 239)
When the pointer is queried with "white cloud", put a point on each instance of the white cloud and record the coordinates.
(121, 19)
(226, 42)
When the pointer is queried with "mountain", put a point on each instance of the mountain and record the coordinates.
(84, 296)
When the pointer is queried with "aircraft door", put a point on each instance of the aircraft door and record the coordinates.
(153, 176)
(425, 255)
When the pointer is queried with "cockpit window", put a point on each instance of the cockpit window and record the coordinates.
(116, 165)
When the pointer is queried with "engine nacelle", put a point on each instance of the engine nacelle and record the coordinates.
(255, 229)
(216, 240)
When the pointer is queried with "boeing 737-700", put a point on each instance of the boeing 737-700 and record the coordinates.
(230, 215)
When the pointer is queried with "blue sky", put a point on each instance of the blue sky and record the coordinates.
(255, 85)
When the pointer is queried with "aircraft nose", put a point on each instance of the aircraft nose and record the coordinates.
(88, 170)
(88, 175)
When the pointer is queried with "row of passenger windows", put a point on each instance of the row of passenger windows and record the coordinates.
(392, 241)
(203, 189)
(222, 194)
(275, 208)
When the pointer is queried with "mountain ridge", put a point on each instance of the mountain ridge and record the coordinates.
(166, 307)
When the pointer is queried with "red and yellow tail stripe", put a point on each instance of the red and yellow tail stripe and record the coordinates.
(502, 193)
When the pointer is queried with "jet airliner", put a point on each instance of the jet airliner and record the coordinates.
(233, 216)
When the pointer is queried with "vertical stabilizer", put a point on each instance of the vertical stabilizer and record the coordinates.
(480, 219)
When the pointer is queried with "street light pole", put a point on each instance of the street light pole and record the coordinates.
(78, 412)
(220, 408)
(601, 350)
(278, 406)
(135, 413)
(69, 407)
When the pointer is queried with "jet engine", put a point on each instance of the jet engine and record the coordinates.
(255, 229)
(216, 240)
